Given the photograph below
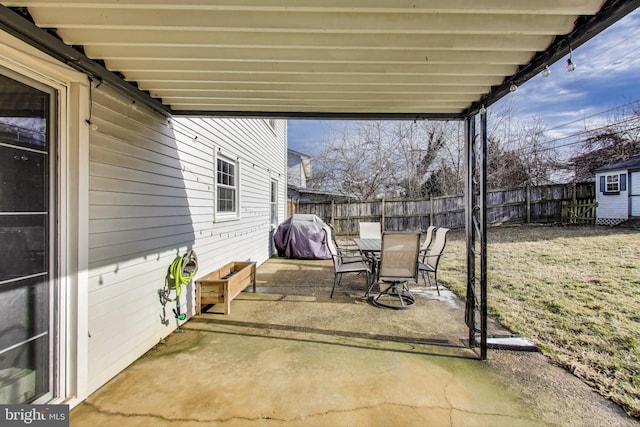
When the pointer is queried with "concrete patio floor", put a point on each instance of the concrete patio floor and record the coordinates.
(288, 355)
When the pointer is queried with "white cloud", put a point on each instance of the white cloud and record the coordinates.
(606, 76)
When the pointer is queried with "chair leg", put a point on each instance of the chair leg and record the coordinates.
(367, 286)
(435, 279)
(370, 281)
(336, 278)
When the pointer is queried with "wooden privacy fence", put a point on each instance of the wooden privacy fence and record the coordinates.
(528, 204)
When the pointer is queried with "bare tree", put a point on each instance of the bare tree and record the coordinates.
(421, 148)
(356, 160)
(517, 155)
(426, 158)
(536, 157)
(369, 158)
(617, 139)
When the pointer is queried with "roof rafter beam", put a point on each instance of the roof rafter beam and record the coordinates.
(299, 22)
(19, 27)
(317, 40)
(542, 7)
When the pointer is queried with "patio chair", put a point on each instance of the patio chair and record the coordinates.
(370, 230)
(428, 262)
(340, 267)
(397, 268)
(428, 236)
(346, 256)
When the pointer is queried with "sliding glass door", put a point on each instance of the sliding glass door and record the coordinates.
(27, 240)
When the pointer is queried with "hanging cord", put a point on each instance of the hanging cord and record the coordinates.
(180, 273)
(91, 80)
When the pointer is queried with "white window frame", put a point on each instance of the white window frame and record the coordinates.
(63, 379)
(226, 215)
(273, 202)
(612, 183)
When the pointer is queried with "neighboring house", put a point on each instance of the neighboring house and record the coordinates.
(298, 169)
(98, 196)
(313, 195)
(618, 191)
(299, 175)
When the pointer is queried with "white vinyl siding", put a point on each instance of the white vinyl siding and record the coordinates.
(295, 172)
(151, 183)
(634, 193)
(614, 205)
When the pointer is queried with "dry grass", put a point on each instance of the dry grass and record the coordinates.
(574, 291)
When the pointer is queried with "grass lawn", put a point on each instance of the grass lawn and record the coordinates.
(574, 291)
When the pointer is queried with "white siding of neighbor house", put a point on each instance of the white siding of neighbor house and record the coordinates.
(295, 171)
(634, 185)
(151, 184)
(613, 206)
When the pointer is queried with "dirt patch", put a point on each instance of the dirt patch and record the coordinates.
(555, 392)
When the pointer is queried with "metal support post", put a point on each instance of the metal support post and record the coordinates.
(476, 233)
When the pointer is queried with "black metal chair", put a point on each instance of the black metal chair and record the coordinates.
(398, 266)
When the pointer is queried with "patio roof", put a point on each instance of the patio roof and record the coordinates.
(346, 58)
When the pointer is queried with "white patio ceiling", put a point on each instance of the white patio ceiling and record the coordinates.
(354, 57)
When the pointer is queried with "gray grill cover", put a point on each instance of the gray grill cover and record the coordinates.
(301, 237)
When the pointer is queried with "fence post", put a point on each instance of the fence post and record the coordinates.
(382, 214)
(430, 209)
(333, 213)
(527, 200)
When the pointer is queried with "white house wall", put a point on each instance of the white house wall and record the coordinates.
(151, 199)
(634, 186)
(71, 177)
(295, 171)
(611, 207)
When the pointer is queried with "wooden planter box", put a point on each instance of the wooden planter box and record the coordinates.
(224, 284)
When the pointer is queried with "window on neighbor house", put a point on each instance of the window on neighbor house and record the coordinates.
(226, 187)
(612, 184)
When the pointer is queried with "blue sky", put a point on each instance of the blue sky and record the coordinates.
(607, 75)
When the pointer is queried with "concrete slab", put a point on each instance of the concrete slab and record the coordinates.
(290, 355)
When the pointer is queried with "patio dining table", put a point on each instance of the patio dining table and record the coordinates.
(369, 246)
(370, 249)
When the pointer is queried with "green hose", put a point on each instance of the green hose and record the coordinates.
(181, 271)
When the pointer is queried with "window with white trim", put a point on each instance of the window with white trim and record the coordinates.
(274, 202)
(226, 187)
(612, 183)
